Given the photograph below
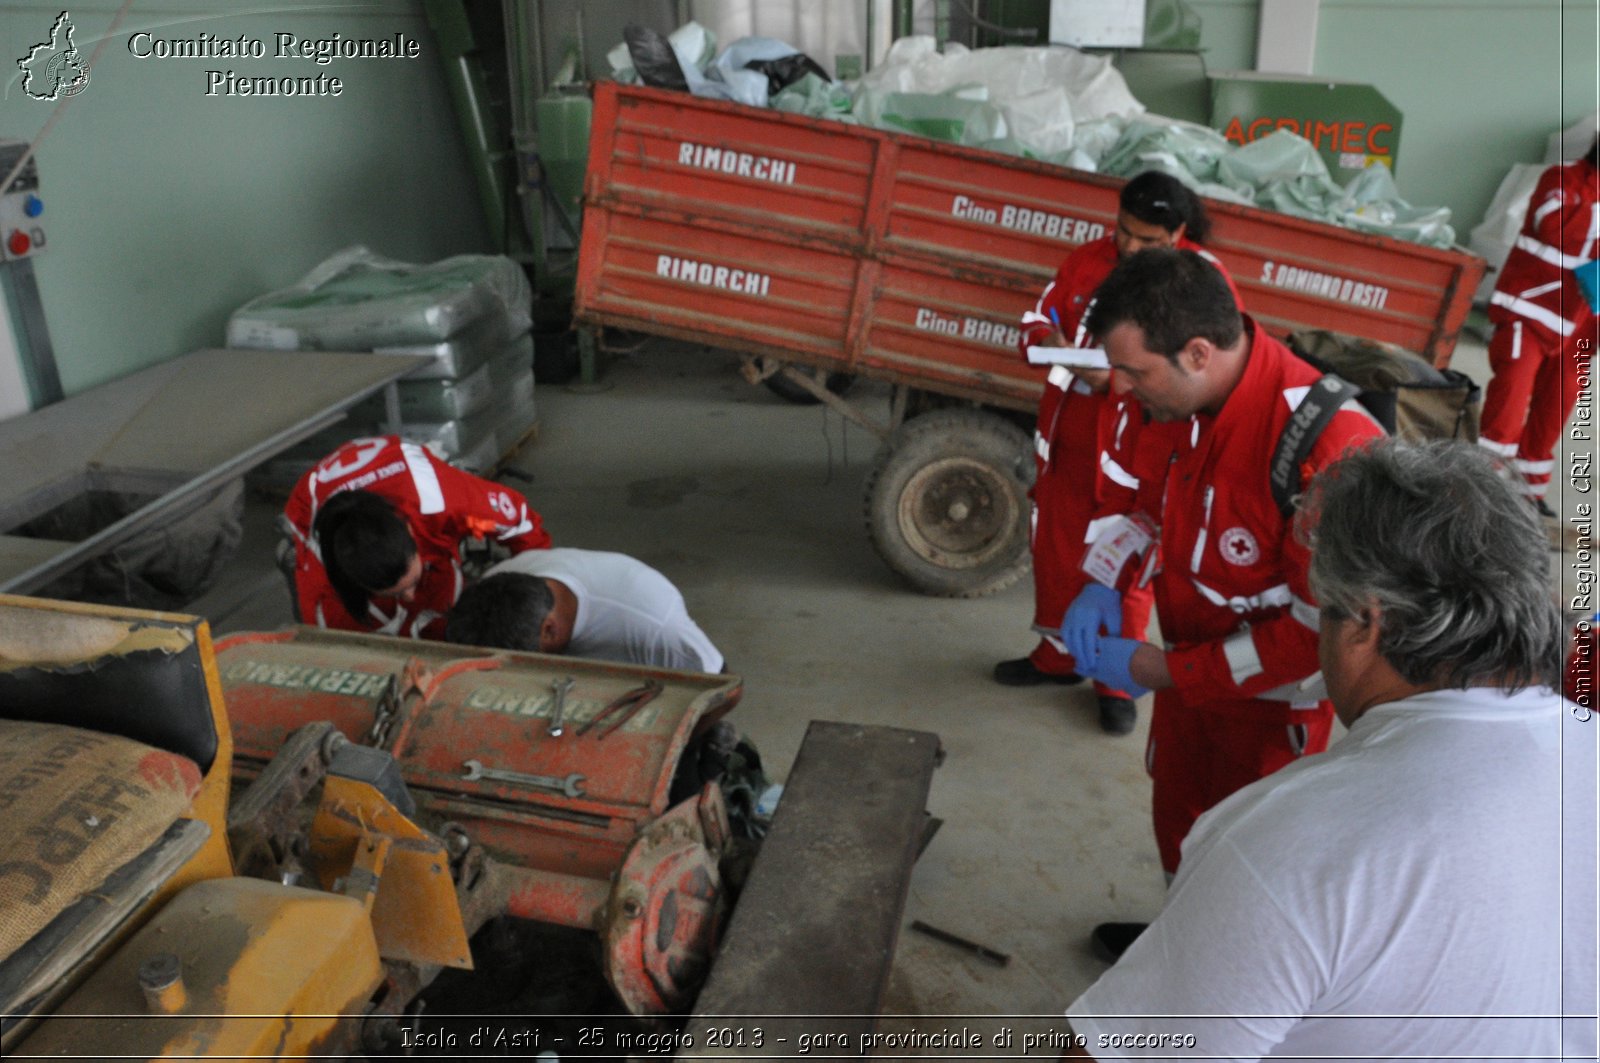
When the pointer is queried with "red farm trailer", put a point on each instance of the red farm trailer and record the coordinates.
(897, 258)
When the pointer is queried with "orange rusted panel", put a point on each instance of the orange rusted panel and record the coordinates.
(858, 249)
(454, 705)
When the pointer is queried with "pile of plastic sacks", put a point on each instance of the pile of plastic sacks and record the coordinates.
(1055, 104)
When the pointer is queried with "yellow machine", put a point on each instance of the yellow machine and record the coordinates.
(125, 925)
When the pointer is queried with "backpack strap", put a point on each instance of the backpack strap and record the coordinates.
(1300, 435)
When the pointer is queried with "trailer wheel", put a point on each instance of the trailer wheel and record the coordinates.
(947, 503)
(838, 383)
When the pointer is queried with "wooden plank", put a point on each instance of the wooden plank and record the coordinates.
(815, 928)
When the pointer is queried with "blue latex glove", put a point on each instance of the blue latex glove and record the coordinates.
(1096, 606)
(1113, 660)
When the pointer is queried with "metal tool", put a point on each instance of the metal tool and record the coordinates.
(559, 687)
(994, 956)
(626, 705)
(571, 785)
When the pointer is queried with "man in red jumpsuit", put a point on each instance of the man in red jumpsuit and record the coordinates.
(1237, 691)
(378, 526)
(1077, 421)
(1544, 328)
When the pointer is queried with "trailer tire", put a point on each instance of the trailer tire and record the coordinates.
(947, 503)
(780, 385)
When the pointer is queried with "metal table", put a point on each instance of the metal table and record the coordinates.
(170, 431)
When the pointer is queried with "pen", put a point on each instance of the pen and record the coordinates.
(1056, 318)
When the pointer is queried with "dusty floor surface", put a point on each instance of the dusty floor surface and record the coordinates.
(753, 506)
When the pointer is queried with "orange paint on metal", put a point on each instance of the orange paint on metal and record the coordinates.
(494, 708)
(666, 912)
(551, 897)
(906, 259)
(399, 872)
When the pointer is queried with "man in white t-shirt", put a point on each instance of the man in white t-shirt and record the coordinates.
(1426, 888)
(587, 603)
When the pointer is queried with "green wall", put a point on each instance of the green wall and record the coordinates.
(1228, 32)
(166, 208)
(1481, 83)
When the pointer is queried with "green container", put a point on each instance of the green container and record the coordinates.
(1351, 125)
(564, 123)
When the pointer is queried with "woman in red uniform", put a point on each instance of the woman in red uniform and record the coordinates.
(1077, 420)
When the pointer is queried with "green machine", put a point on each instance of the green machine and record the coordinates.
(1351, 125)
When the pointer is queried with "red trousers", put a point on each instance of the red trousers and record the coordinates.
(1536, 382)
(1198, 756)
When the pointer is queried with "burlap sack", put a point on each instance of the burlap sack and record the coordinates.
(1413, 399)
(76, 805)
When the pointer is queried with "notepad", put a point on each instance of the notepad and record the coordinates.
(1071, 357)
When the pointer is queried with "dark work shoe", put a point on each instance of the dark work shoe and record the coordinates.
(1117, 714)
(1109, 941)
(1022, 673)
(1544, 508)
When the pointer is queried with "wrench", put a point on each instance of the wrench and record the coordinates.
(571, 785)
(559, 687)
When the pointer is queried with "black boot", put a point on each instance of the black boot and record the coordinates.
(1109, 941)
(1117, 714)
(1022, 673)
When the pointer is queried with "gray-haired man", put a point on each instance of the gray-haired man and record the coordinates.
(1426, 888)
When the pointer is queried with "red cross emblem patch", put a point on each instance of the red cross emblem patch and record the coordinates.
(1239, 547)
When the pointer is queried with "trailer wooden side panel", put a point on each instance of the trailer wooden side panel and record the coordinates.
(910, 260)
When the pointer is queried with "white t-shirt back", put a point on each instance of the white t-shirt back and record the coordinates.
(1424, 889)
(627, 611)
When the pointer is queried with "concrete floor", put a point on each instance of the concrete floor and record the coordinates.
(754, 508)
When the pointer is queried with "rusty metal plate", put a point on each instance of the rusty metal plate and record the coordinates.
(436, 707)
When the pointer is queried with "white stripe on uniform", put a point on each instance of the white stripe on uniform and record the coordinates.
(1533, 312)
(430, 496)
(1117, 474)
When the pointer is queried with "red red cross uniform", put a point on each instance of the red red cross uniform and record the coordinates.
(1544, 331)
(1236, 610)
(440, 504)
(1075, 426)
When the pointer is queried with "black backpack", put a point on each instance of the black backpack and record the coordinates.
(1404, 394)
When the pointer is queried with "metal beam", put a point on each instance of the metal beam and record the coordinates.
(814, 932)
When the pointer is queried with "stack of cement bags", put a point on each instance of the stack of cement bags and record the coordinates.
(472, 404)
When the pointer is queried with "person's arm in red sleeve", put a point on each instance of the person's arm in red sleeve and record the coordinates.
(311, 586)
(1127, 449)
(1054, 321)
(1560, 210)
(1038, 325)
(1281, 650)
(1134, 454)
(320, 605)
